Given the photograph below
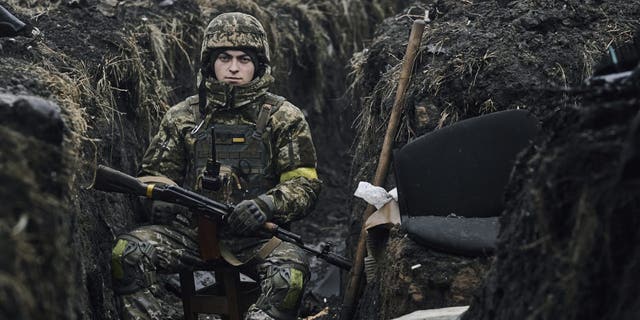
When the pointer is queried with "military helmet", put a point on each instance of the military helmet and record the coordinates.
(235, 30)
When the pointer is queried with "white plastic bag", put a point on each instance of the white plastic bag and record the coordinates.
(375, 196)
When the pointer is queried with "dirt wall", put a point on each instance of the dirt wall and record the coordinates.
(568, 247)
(409, 277)
(480, 57)
(32, 205)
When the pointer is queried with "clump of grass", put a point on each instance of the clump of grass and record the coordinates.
(148, 55)
(168, 45)
(32, 8)
(69, 89)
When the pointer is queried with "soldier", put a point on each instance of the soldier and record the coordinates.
(268, 162)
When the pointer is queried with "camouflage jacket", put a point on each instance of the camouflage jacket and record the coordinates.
(290, 172)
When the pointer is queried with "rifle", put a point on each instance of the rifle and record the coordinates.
(111, 180)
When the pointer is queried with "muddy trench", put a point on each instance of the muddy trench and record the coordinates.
(109, 70)
(91, 87)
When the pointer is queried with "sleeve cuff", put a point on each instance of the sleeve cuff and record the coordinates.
(265, 203)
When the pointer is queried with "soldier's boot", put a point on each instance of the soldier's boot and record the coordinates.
(138, 293)
(282, 287)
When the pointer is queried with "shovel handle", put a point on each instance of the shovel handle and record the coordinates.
(355, 279)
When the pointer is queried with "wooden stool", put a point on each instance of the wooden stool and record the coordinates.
(228, 297)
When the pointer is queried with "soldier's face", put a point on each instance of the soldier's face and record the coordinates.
(234, 67)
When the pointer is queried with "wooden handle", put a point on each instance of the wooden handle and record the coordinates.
(353, 287)
(208, 239)
(398, 104)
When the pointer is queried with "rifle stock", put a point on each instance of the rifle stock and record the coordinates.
(111, 180)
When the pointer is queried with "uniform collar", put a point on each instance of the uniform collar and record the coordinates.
(221, 95)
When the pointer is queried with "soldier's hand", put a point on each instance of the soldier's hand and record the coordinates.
(164, 212)
(249, 215)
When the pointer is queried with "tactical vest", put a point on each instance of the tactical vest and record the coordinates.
(244, 152)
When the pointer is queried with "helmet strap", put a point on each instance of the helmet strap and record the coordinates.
(202, 94)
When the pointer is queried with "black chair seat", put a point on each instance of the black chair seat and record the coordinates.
(456, 235)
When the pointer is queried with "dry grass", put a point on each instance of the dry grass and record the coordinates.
(68, 87)
(590, 53)
(33, 8)
(168, 45)
(558, 73)
(488, 106)
(139, 72)
(74, 86)
(373, 115)
(74, 92)
(135, 71)
(128, 73)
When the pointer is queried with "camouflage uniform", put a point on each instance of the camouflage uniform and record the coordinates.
(277, 161)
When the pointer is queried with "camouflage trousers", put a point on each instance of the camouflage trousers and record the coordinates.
(146, 252)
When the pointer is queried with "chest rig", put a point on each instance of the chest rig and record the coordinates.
(232, 160)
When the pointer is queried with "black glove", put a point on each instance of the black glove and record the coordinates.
(249, 215)
(164, 212)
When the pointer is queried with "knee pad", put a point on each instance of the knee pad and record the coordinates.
(282, 290)
(132, 265)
